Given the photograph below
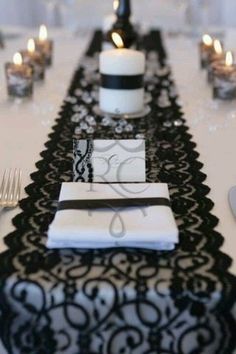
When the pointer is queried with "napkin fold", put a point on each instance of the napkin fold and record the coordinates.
(124, 215)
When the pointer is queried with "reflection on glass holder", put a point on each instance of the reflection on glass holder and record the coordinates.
(147, 97)
(146, 110)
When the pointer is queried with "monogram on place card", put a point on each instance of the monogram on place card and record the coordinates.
(109, 160)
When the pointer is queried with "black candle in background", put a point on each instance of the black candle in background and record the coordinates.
(123, 26)
(123, 10)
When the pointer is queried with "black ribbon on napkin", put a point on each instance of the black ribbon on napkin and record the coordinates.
(111, 203)
(122, 82)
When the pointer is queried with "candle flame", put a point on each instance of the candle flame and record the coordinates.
(218, 47)
(207, 40)
(115, 4)
(31, 45)
(117, 40)
(17, 59)
(43, 33)
(229, 59)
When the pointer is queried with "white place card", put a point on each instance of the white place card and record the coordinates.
(109, 161)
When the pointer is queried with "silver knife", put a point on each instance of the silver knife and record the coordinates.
(232, 200)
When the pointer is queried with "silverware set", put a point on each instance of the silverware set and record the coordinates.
(10, 188)
(232, 200)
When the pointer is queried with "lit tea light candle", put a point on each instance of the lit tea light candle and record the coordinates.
(122, 71)
(224, 81)
(206, 48)
(217, 55)
(19, 77)
(45, 45)
(34, 58)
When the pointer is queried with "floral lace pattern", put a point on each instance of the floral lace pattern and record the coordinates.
(119, 300)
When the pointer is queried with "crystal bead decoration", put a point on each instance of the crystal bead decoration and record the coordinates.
(106, 121)
(139, 136)
(128, 128)
(178, 123)
(118, 129)
(78, 130)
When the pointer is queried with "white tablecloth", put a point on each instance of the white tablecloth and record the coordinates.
(212, 124)
(24, 127)
(168, 13)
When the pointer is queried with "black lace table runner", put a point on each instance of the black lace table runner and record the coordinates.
(119, 300)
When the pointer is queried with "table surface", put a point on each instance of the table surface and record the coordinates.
(24, 126)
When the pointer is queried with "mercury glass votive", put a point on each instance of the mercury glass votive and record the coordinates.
(205, 49)
(36, 59)
(19, 78)
(212, 68)
(224, 79)
(44, 45)
(217, 55)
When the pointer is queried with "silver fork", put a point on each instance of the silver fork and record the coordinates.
(10, 188)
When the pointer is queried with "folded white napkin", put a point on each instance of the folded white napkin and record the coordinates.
(151, 227)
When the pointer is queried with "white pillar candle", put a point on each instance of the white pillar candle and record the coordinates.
(121, 90)
(106, 45)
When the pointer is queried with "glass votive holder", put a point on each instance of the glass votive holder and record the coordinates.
(19, 77)
(224, 81)
(46, 48)
(217, 56)
(212, 67)
(44, 45)
(37, 61)
(205, 50)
